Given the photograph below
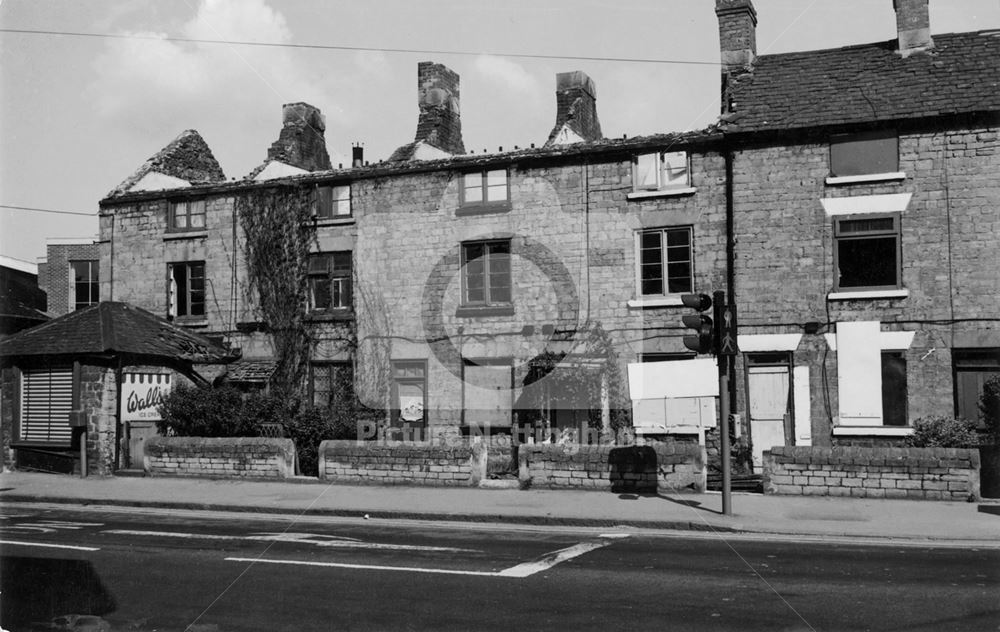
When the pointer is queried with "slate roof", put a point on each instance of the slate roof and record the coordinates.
(187, 157)
(251, 371)
(867, 83)
(113, 328)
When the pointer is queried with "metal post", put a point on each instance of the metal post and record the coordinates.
(83, 453)
(727, 500)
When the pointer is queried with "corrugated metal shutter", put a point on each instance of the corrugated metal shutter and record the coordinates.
(46, 400)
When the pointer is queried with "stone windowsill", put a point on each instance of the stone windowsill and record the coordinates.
(329, 316)
(484, 311)
(872, 431)
(185, 234)
(670, 300)
(335, 221)
(868, 177)
(867, 295)
(661, 193)
(490, 208)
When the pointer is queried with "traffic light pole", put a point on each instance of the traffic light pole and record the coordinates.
(727, 498)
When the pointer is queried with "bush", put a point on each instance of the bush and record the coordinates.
(943, 432)
(310, 426)
(204, 412)
(989, 408)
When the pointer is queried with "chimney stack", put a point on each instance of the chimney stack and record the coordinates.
(913, 26)
(440, 121)
(357, 156)
(737, 34)
(576, 110)
(301, 142)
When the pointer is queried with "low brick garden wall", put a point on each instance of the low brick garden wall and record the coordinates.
(922, 473)
(392, 463)
(667, 467)
(241, 457)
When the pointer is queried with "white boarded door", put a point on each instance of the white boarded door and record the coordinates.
(769, 401)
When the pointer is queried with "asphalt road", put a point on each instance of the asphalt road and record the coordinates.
(170, 570)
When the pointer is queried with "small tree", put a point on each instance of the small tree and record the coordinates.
(190, 411)
(943, 432)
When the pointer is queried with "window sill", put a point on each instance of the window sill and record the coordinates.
(868, 177)
(335, 221)
(485, 311)
(190, 321)
(867, 295)
(672, 300)
(872, 431)
(185, 234)
(483, 209)
(40, 445)
(661, 193)
(332, 315)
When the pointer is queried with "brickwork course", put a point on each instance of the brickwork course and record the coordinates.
(572, 213)
(257, 457)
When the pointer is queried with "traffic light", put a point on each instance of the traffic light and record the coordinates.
(704, 341)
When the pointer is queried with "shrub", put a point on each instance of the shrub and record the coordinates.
(943, 432)
(310, 426)
(989, 408)
(203, 412)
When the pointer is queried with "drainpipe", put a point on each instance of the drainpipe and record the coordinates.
(730, 262)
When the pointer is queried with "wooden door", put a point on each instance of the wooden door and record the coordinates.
(770, 409)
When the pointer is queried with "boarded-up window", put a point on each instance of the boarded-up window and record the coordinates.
(864, 154)
(46, 401)
(409, 391)
(488, 393)
(893, 388)
(972, 368)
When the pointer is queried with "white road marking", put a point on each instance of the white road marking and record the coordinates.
(520, 571)
(301, 538)
(50, 526)
(50, 546)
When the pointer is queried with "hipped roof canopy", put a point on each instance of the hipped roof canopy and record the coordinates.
(111, 329)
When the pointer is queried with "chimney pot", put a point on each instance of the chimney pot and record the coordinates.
(576, 110)
(357, 156)
(913, 26)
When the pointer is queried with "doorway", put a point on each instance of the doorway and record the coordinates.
(769, 403)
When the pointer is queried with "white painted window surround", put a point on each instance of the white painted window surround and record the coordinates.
(768, 342)
(866, 204)
(671, 300)
(867, 294)
(869, 177)
(872, 431)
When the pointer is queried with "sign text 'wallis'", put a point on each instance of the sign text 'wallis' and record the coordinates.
(142, 393)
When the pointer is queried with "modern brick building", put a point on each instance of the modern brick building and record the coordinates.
(70, 274)
(847, 200)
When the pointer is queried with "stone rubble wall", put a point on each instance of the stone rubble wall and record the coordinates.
(239, 457)
(397, 463)
(914, 473)
(664, 467)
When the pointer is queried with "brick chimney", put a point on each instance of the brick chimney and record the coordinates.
(576, 110)
(913, 26)
(440, 121)
(301, 142)
(737, 34)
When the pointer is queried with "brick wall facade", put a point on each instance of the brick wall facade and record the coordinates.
(56, 276)
(665, 467)
(916, 473)
(254, 457)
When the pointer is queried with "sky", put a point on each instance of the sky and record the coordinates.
(79, 114)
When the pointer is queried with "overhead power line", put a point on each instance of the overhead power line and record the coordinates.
(46, 210)
(192, 40)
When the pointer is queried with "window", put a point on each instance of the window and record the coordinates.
(409, 391)
(665, 265)
(893, 388)
(485, 188)
(864, 154)
(332, 385)
(46, 401)
(187, 289)
(661, 170)
(487, 392)
(333, 202)
(330, 281)
(486, 273)
(86, 286)
(973, 367)
(866, 253)
(187, 215)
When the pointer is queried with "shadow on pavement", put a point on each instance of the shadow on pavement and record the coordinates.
(694, 504)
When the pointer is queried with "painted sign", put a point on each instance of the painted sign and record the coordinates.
(141, 394)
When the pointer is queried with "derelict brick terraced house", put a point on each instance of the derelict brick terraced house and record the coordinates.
(847, 199)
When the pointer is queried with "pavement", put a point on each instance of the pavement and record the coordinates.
(970, 524)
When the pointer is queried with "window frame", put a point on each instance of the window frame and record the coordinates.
(841, 141)
(664, 262)
(484, 204)
(333, 364)
(973, 361)
(57, 412)
(172, 215)
(838, 237)
(662, 184)
(487, 301)
(93, 280)
(397, 381)
(331, 278)
(319, 203)
(899, 356)
(173, 309)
